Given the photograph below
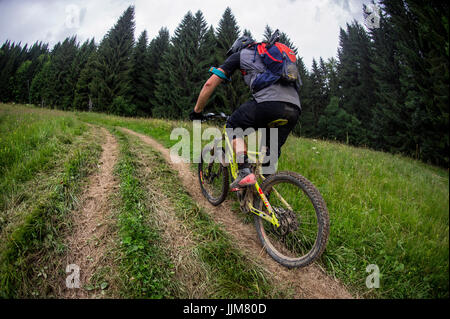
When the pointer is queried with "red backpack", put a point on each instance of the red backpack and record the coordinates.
(280, 65)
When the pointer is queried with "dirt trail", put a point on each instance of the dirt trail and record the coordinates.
(309, 282)
(178, 240)
(88, 241)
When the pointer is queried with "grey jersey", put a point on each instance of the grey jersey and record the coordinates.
(274, 92)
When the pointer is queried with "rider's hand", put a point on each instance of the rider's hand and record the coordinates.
(195, 116)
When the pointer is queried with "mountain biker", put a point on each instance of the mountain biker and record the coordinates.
(277, 101)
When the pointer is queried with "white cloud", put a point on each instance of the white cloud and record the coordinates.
(313, 25)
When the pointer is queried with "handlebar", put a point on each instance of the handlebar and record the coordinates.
(212, 116)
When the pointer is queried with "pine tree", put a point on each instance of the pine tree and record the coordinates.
(247, 33)
(422, 40)
(22, 83)
(141, 76)
(390, 119)
(114, 64)
(84, 88)
(42, 88)
(324, 82)
(332, 77)
(227, 32)
(182, 71)
(78, 64)
(356, 75)
(318, 99)
(284, 38)
(304, 124)
(337, 124)
(231, 95)
(62, 57)
(13, 56)
(156, 50)
(24, 75)
(267, 33)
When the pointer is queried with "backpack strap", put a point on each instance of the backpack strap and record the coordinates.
(262, 50)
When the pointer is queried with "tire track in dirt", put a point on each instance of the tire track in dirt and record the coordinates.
(178, 239)
(89, 238)
(309, 282)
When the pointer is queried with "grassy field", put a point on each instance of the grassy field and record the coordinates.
(385, 210)
(45, 158)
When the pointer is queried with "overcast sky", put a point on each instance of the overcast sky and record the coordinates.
(313, 25)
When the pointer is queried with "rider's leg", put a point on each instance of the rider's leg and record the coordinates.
(245, 175)
(270, 111)
(240, 120)
(239, 146)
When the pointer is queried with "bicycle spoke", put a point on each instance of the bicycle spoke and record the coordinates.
(298, 230)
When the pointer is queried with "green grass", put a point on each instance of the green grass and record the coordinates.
(145, 269)
(31, 141)
(30, 252)
(385, 209)
(231, 273)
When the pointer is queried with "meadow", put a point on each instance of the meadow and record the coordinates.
(385, 210)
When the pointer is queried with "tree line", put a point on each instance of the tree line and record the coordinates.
(387, 87)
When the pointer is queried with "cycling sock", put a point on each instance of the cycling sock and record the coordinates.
(242, 160)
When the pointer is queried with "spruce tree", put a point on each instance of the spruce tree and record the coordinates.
(317, 101)
(335, 123)
(13, 55)
(230, 95)
(22, 84)
(304, 125)
(356, 75)
(78, 64)
(84, 88)
(390, 119)
(422, 40)
(62, 57)
(156, 50)
(23, 77)
(227, 31)
(114, 63)
(332, 77)
(182, 71)
(42, 85)
(141, 76)
(324, 82)
(284, 38)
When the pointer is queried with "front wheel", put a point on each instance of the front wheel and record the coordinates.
(213, 176)
(303, 217)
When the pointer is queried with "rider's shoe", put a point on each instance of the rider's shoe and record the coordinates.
(245, 178)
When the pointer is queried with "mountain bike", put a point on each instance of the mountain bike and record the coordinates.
(290, 215)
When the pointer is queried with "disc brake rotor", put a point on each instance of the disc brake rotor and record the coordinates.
(287, 219)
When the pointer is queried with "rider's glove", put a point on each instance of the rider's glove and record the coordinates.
(195, 116)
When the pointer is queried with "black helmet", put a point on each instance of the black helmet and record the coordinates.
(239, 44)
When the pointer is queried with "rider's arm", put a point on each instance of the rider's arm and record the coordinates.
(228, 67)
(208, 88)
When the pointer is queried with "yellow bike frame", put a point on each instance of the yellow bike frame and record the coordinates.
(234, 171)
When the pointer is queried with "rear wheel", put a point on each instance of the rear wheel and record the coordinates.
(303, 217)
(213, 177)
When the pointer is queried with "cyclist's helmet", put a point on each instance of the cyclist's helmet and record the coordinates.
(239, 44)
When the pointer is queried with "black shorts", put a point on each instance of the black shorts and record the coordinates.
(258, 115)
